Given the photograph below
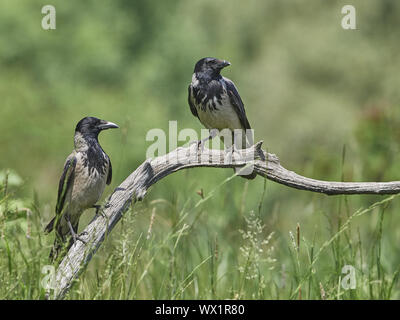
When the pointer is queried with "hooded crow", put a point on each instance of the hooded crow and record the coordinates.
(86, 172)
(215, 101)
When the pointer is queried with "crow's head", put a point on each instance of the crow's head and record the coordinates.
(91, 126)
(210, 66)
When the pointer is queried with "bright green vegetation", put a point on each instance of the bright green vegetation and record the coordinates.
(179, 249)
(325, 100)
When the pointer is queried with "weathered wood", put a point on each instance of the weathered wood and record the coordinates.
(136, 185)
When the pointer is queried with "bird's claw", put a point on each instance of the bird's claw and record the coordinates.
(230, 149)
(75, 236)
(79, 237)
(99, 211)
(199, 144)
(230, 154)
(199, 147)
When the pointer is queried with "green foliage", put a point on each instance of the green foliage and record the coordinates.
(170, 250)
(324, 99)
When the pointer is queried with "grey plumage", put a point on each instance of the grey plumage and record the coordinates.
(215, 101)
(86, 172)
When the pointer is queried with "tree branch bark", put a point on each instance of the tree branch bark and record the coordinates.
(136, 185)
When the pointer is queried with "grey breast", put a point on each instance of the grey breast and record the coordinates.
(214, 108)
(89, 183)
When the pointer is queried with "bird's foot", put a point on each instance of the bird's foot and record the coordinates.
(77, 237)
(228, 156)
(231, 155)
(83, 233)
(230, 150)
(99, 211)
(199, 144)
(199, 148)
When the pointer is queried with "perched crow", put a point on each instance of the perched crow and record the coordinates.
(215, 100)
(87, 170)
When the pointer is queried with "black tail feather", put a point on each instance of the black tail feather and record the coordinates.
(62, 243)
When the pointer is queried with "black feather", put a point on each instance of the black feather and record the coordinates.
(96, 158)
(191, 105)
(237, 103)
(209, 91)
(63, 186)
(109, 177)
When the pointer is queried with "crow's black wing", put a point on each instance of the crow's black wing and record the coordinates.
(190, 100)
(237, 103)
(65, 182)
(64, 185)
(109, 177)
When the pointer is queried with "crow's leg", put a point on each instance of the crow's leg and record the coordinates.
(201, 143)
(98, 210)
(230, 146)
(75, 237)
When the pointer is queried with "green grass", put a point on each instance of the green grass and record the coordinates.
(176, 250)
(309, 88)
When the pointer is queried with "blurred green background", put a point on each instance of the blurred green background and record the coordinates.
(324, 99)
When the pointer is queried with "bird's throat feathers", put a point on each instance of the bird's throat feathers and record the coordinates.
(205, 77)
(83, 142)
(207, 91)
(94, 156)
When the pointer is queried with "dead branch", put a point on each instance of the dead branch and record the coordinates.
(136, 185)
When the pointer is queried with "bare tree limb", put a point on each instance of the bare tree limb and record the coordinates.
(136, 185)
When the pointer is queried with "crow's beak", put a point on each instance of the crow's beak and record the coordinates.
(223, 63)
(104, 125)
